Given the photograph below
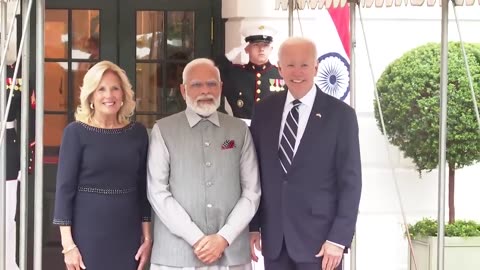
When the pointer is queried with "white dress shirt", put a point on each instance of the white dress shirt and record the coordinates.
(304, 110)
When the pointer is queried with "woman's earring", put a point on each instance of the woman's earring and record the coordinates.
(91, 106)
(121, 104)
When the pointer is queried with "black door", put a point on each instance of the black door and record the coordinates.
(151, 39)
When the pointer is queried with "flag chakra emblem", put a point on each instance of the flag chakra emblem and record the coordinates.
(333, 76)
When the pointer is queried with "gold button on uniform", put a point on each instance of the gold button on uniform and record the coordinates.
(259, 82)
(259, 91)
(240, 103)
(259, 75)
(258, 99)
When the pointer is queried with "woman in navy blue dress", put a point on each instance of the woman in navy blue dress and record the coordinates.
(101, 204)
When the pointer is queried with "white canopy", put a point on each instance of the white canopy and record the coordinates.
(314, 4)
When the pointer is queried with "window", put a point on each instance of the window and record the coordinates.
(71, 47)
(164, 45)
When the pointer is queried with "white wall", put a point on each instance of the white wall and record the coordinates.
(390, 33)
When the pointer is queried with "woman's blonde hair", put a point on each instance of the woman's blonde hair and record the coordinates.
(90, 83)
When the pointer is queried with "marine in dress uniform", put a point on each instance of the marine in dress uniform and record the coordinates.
(13, 159)
(12, 132)
(246, 84)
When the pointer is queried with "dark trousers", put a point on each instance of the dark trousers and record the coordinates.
(284, 262)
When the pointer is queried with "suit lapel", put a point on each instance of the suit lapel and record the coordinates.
(275, 121)
(312, 130)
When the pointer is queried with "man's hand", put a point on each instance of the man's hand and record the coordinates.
(232, 54)
(332, 256)
(210, 248)
(255, 243)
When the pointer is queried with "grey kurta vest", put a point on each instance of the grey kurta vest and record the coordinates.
(205, 181)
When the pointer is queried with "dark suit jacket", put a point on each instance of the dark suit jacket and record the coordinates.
(319, 197)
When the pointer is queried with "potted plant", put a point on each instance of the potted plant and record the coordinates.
(409, 91)
(462, 245)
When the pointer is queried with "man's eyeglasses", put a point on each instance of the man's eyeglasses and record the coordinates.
(208, 84)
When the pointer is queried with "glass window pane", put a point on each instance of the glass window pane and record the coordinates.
(56, 86)
(54, 125)
(85, 34)
(180, 33)
(79, 69)
(174, 101)
(147, 120)
(150, 27)
(148, 85)
(56, 33)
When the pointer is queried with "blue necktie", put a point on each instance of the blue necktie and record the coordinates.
(289, 136)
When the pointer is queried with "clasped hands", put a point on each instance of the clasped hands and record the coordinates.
(210, 248)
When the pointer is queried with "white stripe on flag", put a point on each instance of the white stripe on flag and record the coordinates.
(333, 72)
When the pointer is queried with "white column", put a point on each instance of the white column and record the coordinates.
(12, 45)
(10, 233)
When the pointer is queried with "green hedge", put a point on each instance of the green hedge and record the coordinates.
(428, 227)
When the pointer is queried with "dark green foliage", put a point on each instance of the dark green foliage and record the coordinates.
(460, 228)
(409, 94)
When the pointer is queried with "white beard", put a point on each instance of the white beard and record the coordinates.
(203, 109)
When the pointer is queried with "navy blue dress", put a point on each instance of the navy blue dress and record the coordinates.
(101, 192)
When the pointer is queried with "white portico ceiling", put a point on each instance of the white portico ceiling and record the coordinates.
(314, 4)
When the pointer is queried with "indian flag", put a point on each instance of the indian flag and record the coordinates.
(333, 46)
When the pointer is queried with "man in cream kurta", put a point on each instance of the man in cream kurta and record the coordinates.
(203, 180)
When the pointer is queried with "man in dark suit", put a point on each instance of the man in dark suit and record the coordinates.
(308, 151)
